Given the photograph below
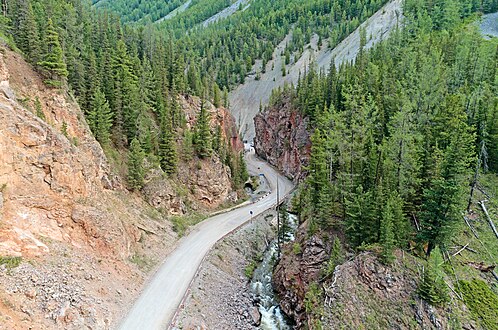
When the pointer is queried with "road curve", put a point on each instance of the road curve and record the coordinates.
(156, 306)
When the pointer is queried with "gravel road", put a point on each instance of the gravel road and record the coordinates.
(156, 306)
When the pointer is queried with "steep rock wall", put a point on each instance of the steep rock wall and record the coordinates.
(282, 139)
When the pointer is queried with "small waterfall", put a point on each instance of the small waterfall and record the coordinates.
(272, 317)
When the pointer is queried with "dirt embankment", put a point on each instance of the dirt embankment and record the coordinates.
(219, 296)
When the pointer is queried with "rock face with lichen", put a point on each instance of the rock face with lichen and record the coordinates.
(282, 139)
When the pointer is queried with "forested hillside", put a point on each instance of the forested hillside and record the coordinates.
(136, 10)
(230, 48)
(402, 128)
(227, 51)
(126, 80)
(400, 143)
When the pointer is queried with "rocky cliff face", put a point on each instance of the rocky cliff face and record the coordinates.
(43, 171)
(84, 243)
(282, 139)
(199, 184)
(362, 293)
(296, 271)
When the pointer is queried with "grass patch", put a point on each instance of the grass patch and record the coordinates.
(250, 268)
(143, 262)
(482, 302)
(182, 223)
(10, 262)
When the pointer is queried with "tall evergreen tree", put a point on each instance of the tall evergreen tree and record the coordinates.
(53, 61)
(167, 146)
(392, 226)
(135, 166)
(100, 117)
(28, 39)
(444, 198)
(202, 138)
(432, 287)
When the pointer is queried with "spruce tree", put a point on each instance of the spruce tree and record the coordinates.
(53, 61)
(226, 102)
(136, 170)
(167, 147)
(202, 138)
(357, 215)
(28, 38)
(392, 210)
(100, 117)
(217, 96)
(443, 200)
(243, 173)
(432, 287)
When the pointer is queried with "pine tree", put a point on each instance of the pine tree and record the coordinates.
(53, 61)
(202, 137)
(392, 217)
(444, 199)
(28, 38)
(100, 117)
(135, 166)
(357, 216)
(336, 257)
(217, 96)
(125, 98)
(167, 147)
(225, 98)
(243, 173)
(217, 140)
(432, 287)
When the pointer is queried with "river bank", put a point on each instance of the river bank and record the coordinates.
(220, 296)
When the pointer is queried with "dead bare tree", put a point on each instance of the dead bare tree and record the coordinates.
(483, 154)
(491, 223)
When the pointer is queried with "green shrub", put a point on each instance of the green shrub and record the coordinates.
(10, 262)
(250, 268)
(182, 223)
(296, 248)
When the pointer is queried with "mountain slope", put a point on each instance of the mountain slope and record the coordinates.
(398, 162)
(74, 243)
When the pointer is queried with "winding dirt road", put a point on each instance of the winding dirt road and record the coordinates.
(156, 306)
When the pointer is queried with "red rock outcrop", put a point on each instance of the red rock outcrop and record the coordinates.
(282, 139)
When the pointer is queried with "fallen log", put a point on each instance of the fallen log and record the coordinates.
(496, 276)
(489, 218)
(481, 266)
(470, 226)
(459, 251)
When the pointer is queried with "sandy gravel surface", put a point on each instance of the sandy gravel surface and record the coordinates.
(489, 25)
(156, 306)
